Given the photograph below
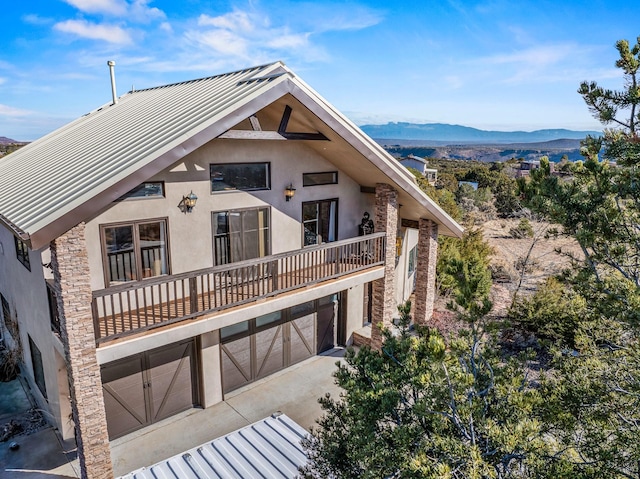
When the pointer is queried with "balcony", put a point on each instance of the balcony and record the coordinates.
(140, 306)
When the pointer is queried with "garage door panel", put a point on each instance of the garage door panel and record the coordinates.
(148, 387)
(236, 363)
(171, 380)
(124, 396)
(269, 351)
(302, 338)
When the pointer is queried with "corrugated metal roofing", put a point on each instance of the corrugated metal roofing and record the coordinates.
(66, 176)
(51, 176)
(269, 449)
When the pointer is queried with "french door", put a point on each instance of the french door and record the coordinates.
(319, 221)
(239, 235)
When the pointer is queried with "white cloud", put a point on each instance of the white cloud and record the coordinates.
(289, 41)
(110, 7)
(12, 112)
(137, 10)
(236, 20)
(34, 19)
(95, 31)
(166, 26)
(2, 80)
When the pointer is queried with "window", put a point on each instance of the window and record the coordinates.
(325, 178)
(22, 251)
(239, 235)
(148, 189)
(413, 258)
(38, 369)
(240, 176)
(9, 322)
(54, 315)
(134, 251)
(320, 221)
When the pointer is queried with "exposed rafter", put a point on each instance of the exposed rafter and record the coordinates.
(256, 133)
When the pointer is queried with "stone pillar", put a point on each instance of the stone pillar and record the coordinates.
(386, 219)
(425, 293)
(72, 282)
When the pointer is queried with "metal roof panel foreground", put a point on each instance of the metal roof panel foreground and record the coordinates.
(65, 169)
(268, 448)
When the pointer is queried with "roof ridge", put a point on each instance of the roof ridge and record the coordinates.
(220, 75)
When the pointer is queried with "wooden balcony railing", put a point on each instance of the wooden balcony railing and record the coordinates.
(134, 307)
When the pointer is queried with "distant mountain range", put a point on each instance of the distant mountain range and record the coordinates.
(445, 134)
(7, 141)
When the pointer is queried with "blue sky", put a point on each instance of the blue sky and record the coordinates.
(504, 65)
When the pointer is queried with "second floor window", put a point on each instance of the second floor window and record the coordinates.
(134, 251)
(22, 251)
(240, 176)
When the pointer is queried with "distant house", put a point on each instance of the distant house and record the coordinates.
(420, 164)
(189, 239)
(525, 167)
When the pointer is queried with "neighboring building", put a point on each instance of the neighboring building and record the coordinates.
(525, 167)
(420, 164)
(131, 303)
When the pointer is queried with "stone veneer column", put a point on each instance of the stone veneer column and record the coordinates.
(386, 219)
(72, 281)
(425, 293)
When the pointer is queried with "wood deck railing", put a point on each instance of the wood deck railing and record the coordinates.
(133, 307)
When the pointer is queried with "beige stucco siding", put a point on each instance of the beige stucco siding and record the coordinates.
(190, 236)
(26, 293)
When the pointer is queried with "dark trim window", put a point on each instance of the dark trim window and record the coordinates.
(135, 251)
(148, 189)
(322, 178)
(6, 315)
(239, 235)
(54, 315)
(320, 221)
(38, 369)
(413, 259)
(22, 252)
(240, 176)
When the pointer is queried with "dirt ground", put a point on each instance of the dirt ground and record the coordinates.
(544, 255)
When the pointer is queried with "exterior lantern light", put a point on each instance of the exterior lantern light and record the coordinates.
(289, 191)
(399, 243)
(189, 201)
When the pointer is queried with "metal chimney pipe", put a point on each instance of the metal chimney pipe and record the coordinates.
(112, 73)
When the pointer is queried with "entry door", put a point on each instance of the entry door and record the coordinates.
(326, 325)
(148, 387)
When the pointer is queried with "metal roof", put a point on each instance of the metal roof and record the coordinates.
(65, 177)
(269, 448)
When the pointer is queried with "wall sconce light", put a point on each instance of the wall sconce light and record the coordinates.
(399, 244)
(289, 191)
(189, 202)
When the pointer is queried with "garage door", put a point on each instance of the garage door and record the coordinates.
(146, 388)
(254, 349)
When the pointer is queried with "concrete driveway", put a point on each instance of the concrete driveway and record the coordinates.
(294, 391)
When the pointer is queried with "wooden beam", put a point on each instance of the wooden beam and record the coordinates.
(285, 119)
(302, 136)
(255, 124)
(252, 135)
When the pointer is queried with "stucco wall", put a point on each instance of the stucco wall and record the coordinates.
(190, 237)
(27, 296)
(404, 281)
